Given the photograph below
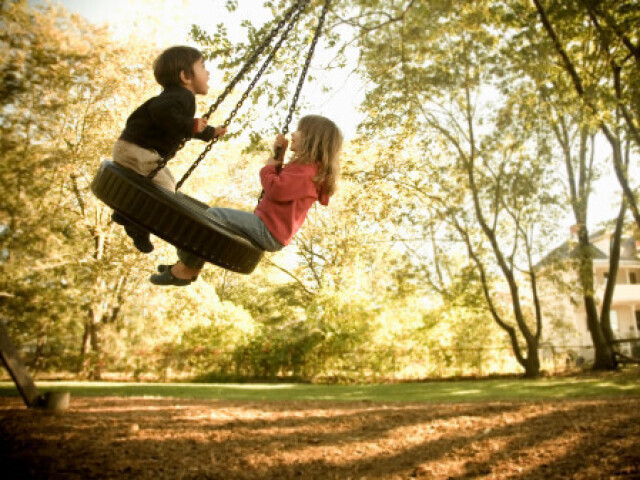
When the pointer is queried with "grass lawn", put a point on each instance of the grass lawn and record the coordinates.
(602, 385)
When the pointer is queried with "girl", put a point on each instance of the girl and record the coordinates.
(309, 176)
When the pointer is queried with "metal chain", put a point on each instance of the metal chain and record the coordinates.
(302, 4)
(305, 69)
(296, 8)
(285, 129)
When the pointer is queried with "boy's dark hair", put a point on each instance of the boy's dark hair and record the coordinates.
(172, 61)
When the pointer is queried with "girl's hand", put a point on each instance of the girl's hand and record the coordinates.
(273, 161)
(281, 141)
(219, 131)
(279, 149)
(200, 124)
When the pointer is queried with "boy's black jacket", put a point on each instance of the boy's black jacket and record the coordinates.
(163, 122)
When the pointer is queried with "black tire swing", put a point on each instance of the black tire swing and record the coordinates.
(178, 218)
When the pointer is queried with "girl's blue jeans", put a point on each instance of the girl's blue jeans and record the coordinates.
(246, 224)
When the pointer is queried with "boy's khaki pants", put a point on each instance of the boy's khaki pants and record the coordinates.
(142, 161)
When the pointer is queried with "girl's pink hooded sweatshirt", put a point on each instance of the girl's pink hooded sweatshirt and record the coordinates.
(287, 198)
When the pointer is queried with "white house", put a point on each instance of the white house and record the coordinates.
(565, 317)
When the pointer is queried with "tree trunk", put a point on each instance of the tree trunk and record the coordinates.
(604, 357)
(84, 349)
(96, 370)
(614, 263)
(532, 365)
(530, 362)
(90, 353)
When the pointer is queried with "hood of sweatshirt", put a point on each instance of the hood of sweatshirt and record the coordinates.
(323, 198)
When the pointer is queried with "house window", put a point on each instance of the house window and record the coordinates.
(638, 320)
(615, 325)
(633, 278)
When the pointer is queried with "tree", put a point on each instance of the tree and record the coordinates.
(486, 177)
(605, 78)
(575, 111)
(67, 86)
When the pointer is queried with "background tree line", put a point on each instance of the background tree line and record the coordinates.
(480, 134)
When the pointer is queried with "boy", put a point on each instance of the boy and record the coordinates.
(158, 128)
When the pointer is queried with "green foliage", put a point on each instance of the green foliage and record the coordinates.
(398, 278)
(467, 149)
(267, 106)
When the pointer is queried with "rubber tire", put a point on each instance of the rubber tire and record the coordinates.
(175, 217)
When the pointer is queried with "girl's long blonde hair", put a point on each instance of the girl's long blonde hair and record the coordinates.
(321, 144)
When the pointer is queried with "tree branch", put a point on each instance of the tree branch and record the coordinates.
(577, 82)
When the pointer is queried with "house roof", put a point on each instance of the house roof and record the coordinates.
(570, 250)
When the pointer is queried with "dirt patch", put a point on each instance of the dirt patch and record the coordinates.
(142, 438)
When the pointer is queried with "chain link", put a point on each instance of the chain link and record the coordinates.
(305, 69)
(303, 75)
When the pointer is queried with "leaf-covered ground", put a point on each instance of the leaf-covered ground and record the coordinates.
(153, 438)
